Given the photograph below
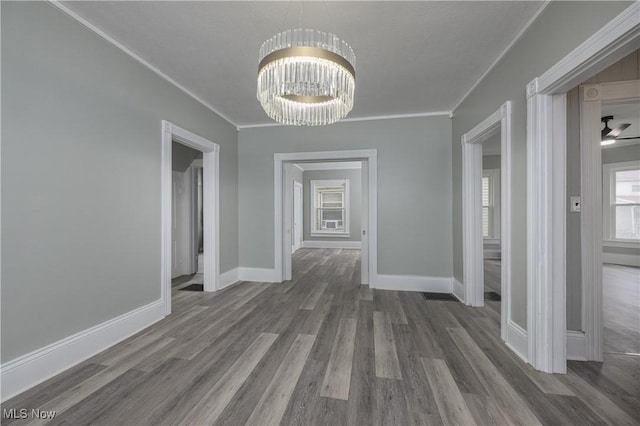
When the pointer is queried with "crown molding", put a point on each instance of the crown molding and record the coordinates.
(129, 52)
(395, 116)
(506, 50)
(620, 35)
(370, 118)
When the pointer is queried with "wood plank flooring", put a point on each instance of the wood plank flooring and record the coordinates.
(621, 309)
(322, 349)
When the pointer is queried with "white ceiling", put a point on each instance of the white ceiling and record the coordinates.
(623, 112)
(412, 57)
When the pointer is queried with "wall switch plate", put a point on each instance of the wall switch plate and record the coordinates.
(574, 204)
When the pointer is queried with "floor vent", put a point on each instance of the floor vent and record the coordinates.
(193, 287)
(439, 296)
(492, 295)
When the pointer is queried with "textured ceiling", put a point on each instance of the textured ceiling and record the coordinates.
(412, 57)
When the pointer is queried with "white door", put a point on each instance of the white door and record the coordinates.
(297, 216)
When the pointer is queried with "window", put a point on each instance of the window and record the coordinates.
(330, 208)
(621, 198)
(491, 204)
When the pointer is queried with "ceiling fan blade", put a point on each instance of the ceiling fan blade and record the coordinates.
(629, 138)
(619, 129)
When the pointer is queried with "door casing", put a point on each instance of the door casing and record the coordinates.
(282, 209)
(211, 207)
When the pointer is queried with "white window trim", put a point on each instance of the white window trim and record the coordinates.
(312, 216)
(494, 195)
(609, 233)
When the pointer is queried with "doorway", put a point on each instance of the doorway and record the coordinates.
(185, 210)
(330, 213)
(621, 251)
(210, 207)
(283, 208)
(610, 217)
(547, 201)
(486, 205)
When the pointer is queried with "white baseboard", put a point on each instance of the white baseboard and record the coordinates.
(262, 275)
(621, 259)
(33, 368)
(332, 244)
(517, 340)
(576, 346)
(458, 290)
(414, 283)
(228, 278)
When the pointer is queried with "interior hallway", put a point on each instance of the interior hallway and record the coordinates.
(321, 349)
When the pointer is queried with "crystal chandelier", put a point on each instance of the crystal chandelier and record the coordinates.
(306, 77)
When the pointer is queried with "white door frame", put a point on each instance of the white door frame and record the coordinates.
(211, 207)
(364, 221)
(591, 226)
(546, 187)
(298, 243)
(282, 252)
(287, 211)
(473, 247)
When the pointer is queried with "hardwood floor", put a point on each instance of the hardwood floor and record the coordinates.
(321, 349)
(621, 309)
(182, 279)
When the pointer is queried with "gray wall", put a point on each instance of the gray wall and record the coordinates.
(490, 162)
(558, 30)
(573, 241)
(414, 189)
(182, 156)
(355, 201)
(81, 177)
(621, 154)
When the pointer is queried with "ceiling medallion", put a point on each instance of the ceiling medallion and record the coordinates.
(306, 77)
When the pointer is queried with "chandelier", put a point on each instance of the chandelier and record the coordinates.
(306, 77)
